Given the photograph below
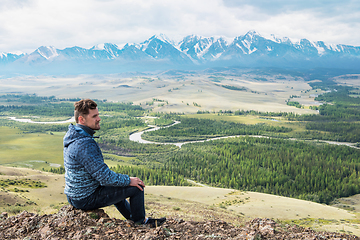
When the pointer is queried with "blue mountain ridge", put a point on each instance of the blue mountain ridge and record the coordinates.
(193, 52)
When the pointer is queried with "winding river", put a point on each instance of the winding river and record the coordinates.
(136, 137)
(31, 121)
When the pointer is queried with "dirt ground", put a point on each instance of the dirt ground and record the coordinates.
(70, 223)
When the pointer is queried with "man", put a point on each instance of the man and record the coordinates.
(89, 183)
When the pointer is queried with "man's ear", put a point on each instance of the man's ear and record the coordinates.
(81, 120)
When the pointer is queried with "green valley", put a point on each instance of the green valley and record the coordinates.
(277, 153)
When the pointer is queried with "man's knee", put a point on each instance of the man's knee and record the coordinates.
(137, 190)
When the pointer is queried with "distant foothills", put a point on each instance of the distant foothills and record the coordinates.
(192, 53)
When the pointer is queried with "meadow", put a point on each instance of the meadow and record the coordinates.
(34, 150)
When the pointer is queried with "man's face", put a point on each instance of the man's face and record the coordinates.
(92, 120)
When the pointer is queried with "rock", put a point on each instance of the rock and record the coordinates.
(3, 215)
(72, 223)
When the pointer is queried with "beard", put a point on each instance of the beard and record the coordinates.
(96, 126)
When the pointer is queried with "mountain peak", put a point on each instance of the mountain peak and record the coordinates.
(47, 52)
(193, 37)
(46, 48)
(252, 33)
(162, 37)
(100, 46)
(276, 39)
(104, 47)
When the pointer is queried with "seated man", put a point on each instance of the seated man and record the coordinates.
(89, 183)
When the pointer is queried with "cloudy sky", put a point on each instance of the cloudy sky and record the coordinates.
(26, 25)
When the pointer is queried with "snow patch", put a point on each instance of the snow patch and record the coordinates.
(277, 39)
(238, 45)
(334, 47)
(247, 44)
(320, 49)
(251, 51)
(48, 52)
(100, 47)
(122, 45)
(217, 56)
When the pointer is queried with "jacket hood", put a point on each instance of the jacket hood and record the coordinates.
(74, 133)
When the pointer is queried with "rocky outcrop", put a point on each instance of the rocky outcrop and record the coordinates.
(72, 223)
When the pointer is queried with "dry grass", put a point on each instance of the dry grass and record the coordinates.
(248, 205)
(181, 94)
(351, 80)
(47, 199)
(252, 204)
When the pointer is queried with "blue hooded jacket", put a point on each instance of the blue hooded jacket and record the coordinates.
(85, 169)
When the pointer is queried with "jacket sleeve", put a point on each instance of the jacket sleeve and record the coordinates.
(92, 159)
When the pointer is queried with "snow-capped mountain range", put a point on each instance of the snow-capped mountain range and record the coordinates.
(159, 52)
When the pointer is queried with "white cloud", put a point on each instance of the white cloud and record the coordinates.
(327, 20)
(28, 24)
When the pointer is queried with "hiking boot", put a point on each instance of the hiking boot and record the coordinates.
(155, 222)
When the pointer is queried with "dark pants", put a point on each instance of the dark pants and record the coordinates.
(106, 196)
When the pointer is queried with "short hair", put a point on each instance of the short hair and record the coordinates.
(82, 108)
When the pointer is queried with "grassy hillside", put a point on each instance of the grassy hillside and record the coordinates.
(188, 203)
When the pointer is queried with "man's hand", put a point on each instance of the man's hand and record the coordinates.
(136, 182)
